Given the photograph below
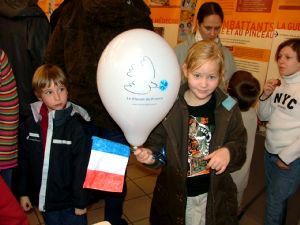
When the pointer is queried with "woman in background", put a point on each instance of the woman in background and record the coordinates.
(209, 22)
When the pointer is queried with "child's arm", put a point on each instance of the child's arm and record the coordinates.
(24, 171)
(81, 148)
(153, 154)
(235, 141)
(25, 203)
(218, 160)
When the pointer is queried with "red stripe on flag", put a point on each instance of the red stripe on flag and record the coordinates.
(103, 181)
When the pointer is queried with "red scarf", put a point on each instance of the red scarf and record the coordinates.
(44, 124)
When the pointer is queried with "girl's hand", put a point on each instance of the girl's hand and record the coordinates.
(80, 212)
(25, 203)
(218, 160)
(144, 155)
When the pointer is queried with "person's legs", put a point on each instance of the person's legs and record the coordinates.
(51, 218)
(113, 201)
(64, 217)
(114, 207)
(196, 210)
(280, 186)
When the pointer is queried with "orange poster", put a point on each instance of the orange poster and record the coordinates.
(48, 6)
(248, 30)
(166, 17)
(287, 23)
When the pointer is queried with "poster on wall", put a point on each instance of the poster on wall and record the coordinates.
(165, 15)
(172, 17)
(248, 30)
(186, 19)
(48, 6)
(248, 27)
(159, 3)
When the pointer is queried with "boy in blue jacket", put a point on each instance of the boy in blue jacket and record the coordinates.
(54, 152)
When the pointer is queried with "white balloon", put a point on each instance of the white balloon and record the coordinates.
(138, 79)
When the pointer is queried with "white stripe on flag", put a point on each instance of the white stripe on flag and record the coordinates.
(107, 162)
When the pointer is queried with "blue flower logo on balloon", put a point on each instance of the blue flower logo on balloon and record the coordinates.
(141, 78)
(163, 85)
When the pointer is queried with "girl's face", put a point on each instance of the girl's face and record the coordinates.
(210, 27)
(287, 61)
(54, 96)
(202, 82)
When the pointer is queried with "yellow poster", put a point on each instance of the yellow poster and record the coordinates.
(248, 30)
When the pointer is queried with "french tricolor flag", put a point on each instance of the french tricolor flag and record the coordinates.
(107, 165)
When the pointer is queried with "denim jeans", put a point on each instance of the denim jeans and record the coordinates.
(64, 217)
(113, 201)
(280, 186)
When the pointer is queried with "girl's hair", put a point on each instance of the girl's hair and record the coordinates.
(202, 52)
(245, 88)
(45, 75)
(294, 43)
(209, 8)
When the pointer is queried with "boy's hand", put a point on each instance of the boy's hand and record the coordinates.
(25, 203)
(80, 212)
(144, 155)
(218, 160)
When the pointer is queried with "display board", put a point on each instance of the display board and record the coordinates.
(248, 29)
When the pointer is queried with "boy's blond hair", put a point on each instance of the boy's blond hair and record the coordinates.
(202, 52)
(45, 75)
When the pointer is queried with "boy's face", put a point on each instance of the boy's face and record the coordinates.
(288, 61)
(54, 96)
(202, 82)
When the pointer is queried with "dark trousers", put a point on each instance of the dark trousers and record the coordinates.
(64, 217)
(113, 201)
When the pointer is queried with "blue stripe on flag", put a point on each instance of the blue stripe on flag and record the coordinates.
(104, 145)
